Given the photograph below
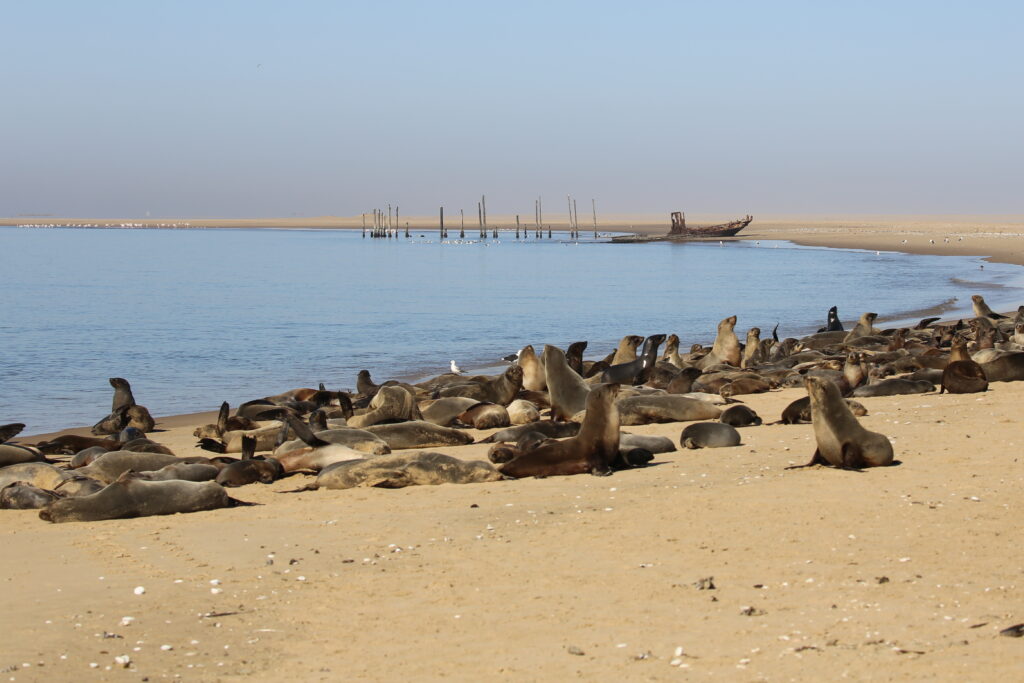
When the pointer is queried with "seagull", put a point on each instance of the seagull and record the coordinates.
(455, 369)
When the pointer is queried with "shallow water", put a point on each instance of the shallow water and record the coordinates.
(195, 317)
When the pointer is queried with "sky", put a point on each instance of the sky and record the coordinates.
(270, 109)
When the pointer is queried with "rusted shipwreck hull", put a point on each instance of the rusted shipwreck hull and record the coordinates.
(680, 232)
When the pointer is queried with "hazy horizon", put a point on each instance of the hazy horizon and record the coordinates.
(233, 109)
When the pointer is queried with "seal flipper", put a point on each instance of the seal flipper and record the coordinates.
(213, 445)
(8, 432)
(775, 333)
(222, 419)
(816, 459)
(248, 447)
(304, 432)
(852, 456)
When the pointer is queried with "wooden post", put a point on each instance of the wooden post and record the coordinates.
(442, 222)
(462, 224)
(593, 205)
(364, 226)
(483, 203)
(517, 226)
(480, 219)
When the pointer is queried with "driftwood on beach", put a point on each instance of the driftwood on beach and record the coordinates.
(680, 232)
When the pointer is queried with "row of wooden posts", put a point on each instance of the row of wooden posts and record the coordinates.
(383, 227)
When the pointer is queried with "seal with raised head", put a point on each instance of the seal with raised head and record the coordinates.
(981, 309)
(501, 389)
(316, 453)
(225, 423)
(567, 390)
(389, 404)
(709, 435)
(726, 348)
(637, 371)
(574, 357)
(842, 441)
(626, 350)
(12, 453)
(592, 450)
(865, 327)
(130, 496)
(533, 370)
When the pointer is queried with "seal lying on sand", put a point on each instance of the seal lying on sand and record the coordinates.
(641, 410)
(406, 469)
(250, 469)
(12, 453)
(592, 450)
(130, 496)
(842, 441)
(419, 434)
(709, 435)
(21, 495)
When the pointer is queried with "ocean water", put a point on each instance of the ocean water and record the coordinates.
(195, 317)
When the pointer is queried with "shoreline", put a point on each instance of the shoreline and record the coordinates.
(999, 239)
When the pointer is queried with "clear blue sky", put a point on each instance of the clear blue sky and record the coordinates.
(236, 109)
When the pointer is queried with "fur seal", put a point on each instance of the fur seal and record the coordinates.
(501, 390)
(225, 423)
(521, 411)
(1008, 368)
(40, 474)
(130, 496)
(744, 385)
(21, 495)
(865, 327)
(832, 323)
(671, 354)
(388, 405)
(184, 471)
(592, 450)
(636, 371)
(893, 387)
(981, 309)
(740, 415)
(231, 442)
(683, 382)
(406, 469)
(726, 348)
(126, 416)
(752, 349)
(533, 370)
(316, 453)
(123, 397)
(444, 411)
(626, 350)
(419, 434)
(963, 377)
(77, 486)
(651, 444)
(69, 444)
(574, 357)
(567, 390)
(250, 469)
(639, 410)
(709, 435)
(842, 441)
(12, 453)
(485, 415)
(550, 429)
(111, 465)
(799, 411)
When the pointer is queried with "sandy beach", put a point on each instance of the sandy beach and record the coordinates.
(905, 572)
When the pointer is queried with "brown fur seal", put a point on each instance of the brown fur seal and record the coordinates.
(41, 474)
(842, 441)
(69, 444)
(726, 348)
(185, 471)
(865, 327)
(637, 371)
(567, 390)
(671, 354)
(1008, 368)
(109, 466)
(129, 497)
(799, 411)
(127, 416)
(574, 357)
(550, 429)
(592, 450)
(744, 385)
(407, 469)
(893, 387)
(123, 397)
(21, 495)
(963, 377)
(485, 416)
(13, 454)
(709, 435)
(231, 442)
(390, 404)
(250, 469)
(752, 349)
(981, 309)
(740, 415)
(501, 390)
(419, 434)
(640, 410)
(533, 370)
(444, 411)
(522, 412)
(225, 423)
(626, 350)
(358, 439)
(683, 382)
(316, 453)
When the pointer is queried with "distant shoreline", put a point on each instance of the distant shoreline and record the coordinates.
(997, 238)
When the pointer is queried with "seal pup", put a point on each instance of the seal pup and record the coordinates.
(533, 370)
(130, 496)
(981, 309)
(250, 469)
(709, 435)
(406, 469)
(842, 441)
(566, 389)
(592, 450)
(726, 348)
(740, 415)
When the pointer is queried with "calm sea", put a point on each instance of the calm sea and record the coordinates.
(194, 317)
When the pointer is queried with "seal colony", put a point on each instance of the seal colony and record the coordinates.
(545, 417)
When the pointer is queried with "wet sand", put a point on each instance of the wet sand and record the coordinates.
(894, 573)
